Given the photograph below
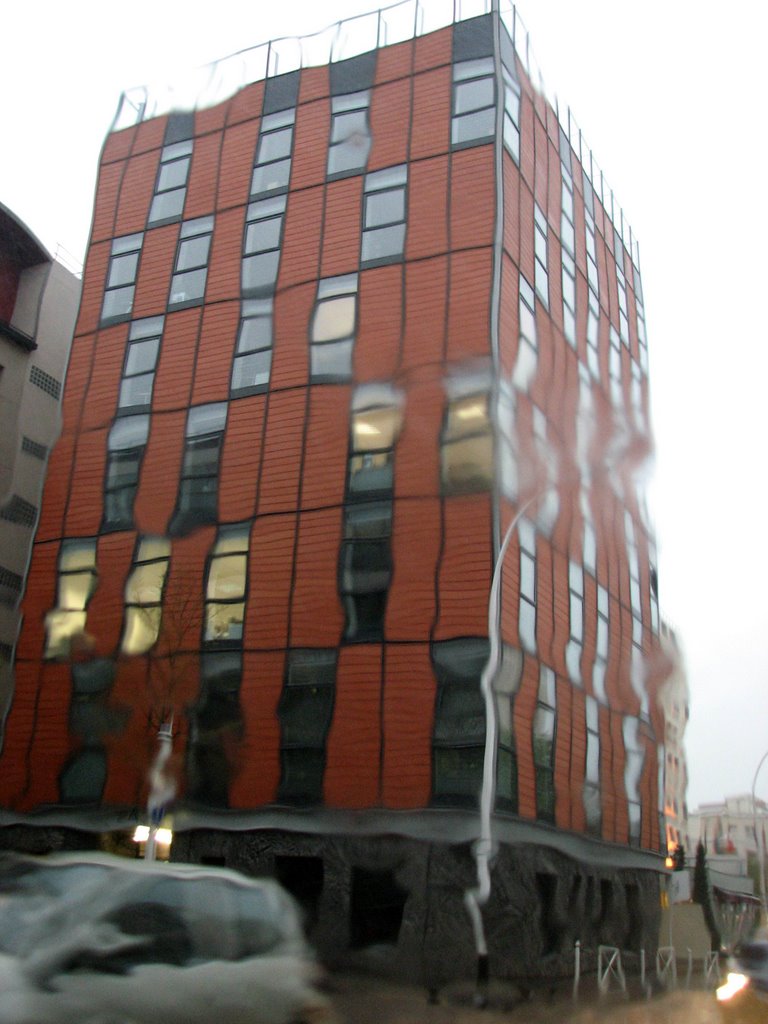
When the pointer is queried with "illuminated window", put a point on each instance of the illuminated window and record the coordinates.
(191, 266)
(125, 448)
(305, 712)
(272, 168)
(225, 586)
(384, 215)
(466, 445)
(350, 134)
(197, 503)
(376, 422)
(252, 364)
(144, 595)
(474, 102)
(508, 440)
(121, 278)
(591, 790)
(77, 579)
(171, 185)
(332, 332)
(544, 744)
(365, 562)
(261, 246)
(140, 363)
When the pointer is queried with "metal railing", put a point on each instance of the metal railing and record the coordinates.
(216, 82)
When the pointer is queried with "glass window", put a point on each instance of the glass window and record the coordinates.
(261, 247)
(459, 725)
(474, 102)
(528, 346)
(225, 586)
(591, 790)
(83, 777)
(384, 215)
(197, 502)
(466, 452)
(544, 744)
(121, 277)
(540, 231)
(125, 449)
(191, 267)
(171, 186)
(139, 366)
(144, 594)
(350, 134)
(511, 115)
(305, 712)
(527, 607)
(272, 168)
(375, 428)
(333, 327)
(77, 579)
(371, 519)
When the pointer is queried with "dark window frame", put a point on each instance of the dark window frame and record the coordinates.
(123, 246)
(240, 532)
(392, 181)
(344, 107)
(259, 310)
(191, 230)
(273, 124)
(172, 153)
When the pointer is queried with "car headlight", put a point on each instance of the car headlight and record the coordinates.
(734, 984)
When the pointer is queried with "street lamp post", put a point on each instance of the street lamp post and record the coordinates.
(474, 899)
(759, 841)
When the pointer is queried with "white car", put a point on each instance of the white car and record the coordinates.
(96, 939)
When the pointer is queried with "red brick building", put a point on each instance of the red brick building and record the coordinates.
(342, 334)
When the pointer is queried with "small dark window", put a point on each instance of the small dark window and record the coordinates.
(458, 742)
(377, 904)
(125, 449)
(303, 878)
(82, 780)
(197, 503)
(305, 711)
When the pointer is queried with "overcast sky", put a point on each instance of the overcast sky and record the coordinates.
(671, 98)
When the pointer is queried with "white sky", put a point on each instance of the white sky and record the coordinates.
(671, 96)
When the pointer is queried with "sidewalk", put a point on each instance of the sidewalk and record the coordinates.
(362, 998)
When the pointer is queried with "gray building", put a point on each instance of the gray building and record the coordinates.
(39, 298)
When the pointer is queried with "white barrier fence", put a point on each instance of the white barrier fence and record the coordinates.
(611, 976)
